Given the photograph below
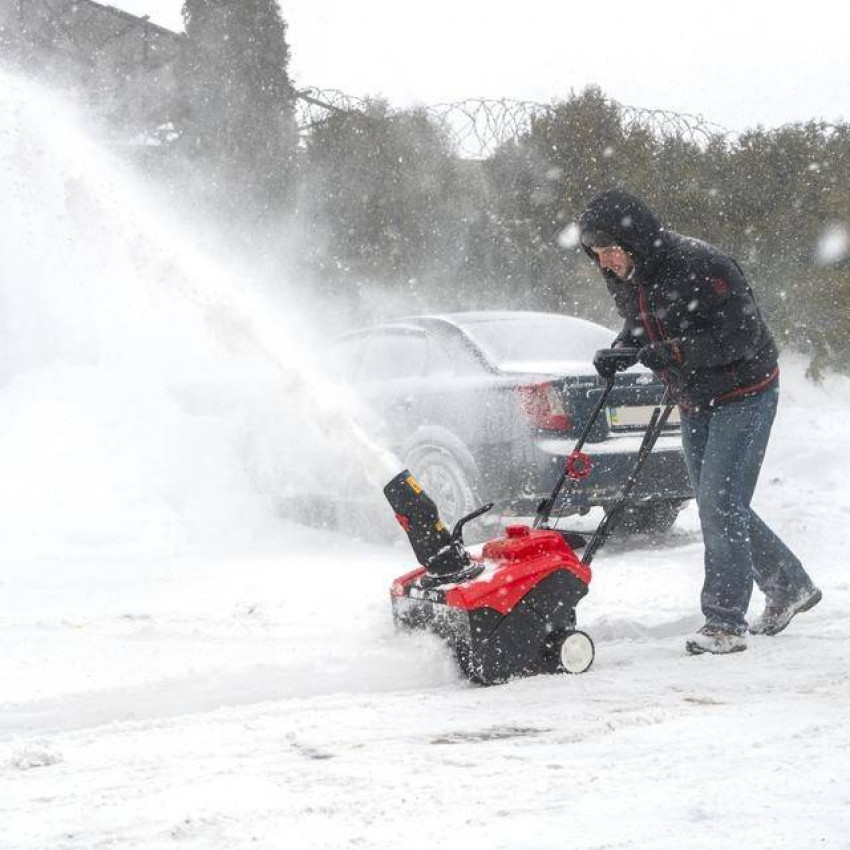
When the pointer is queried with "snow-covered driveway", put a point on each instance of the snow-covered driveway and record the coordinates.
(260, 699)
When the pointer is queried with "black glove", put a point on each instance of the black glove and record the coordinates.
(609, 361)
(659, 356)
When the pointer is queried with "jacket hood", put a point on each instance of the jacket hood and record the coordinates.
(631, 223)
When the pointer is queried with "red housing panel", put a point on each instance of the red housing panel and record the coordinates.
(515, 564)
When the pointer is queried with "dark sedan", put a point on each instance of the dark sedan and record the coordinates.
(485, 406)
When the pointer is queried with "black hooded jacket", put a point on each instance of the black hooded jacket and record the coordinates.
(689, 293)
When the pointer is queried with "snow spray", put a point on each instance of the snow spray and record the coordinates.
(148, 397)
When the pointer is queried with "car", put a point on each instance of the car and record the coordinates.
(486, 406)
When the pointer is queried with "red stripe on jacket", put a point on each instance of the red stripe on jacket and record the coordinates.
(752, 388)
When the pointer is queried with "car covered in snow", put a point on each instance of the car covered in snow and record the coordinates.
(485, 406)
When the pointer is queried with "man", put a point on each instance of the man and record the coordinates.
(692, 319)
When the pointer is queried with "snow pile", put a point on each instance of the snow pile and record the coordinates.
(36, 753)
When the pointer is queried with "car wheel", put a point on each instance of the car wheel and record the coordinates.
(450, 482)
(654, 518)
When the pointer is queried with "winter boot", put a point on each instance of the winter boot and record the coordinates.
(777, 616)
(716, 640)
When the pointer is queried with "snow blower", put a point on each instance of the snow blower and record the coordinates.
(510, 611)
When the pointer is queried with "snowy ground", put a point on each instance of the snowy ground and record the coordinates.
(260, 698)
(182, 668)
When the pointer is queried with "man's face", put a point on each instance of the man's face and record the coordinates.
(614, 259)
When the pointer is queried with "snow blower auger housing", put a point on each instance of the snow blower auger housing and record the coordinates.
(513, 614)
(510, 611)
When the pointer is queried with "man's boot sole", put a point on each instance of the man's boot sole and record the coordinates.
(806, 606)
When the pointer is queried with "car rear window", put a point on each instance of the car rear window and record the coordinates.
(511, 340)
(391, 355)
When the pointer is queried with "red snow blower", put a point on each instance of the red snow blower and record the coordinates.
(509, 611)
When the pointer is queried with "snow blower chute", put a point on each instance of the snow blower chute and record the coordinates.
(510, 611)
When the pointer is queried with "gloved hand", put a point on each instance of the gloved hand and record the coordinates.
(609, 361)
(659, 356)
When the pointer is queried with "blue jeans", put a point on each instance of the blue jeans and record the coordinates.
(724, 449)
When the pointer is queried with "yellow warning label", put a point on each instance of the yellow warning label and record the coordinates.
(414, 485)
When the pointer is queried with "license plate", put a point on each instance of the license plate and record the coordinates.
(637, 416)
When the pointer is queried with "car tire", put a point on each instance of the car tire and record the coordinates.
(653, 518)
(451, 480)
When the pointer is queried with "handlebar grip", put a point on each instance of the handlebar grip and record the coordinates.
(622, 358)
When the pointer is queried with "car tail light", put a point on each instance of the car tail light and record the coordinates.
(543, 405)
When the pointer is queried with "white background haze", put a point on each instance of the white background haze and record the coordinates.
(739, 65)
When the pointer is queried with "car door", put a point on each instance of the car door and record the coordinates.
(390, 377)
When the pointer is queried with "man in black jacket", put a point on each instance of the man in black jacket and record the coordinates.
(691, 316)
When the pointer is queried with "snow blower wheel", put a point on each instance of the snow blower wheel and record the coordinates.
(575, 653)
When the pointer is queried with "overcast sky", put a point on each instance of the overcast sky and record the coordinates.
(738, 64)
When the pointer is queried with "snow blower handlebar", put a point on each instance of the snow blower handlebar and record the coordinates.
(656, 425)
(578, 464)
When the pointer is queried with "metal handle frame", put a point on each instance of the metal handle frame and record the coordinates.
(544, 512)
(653, 431)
